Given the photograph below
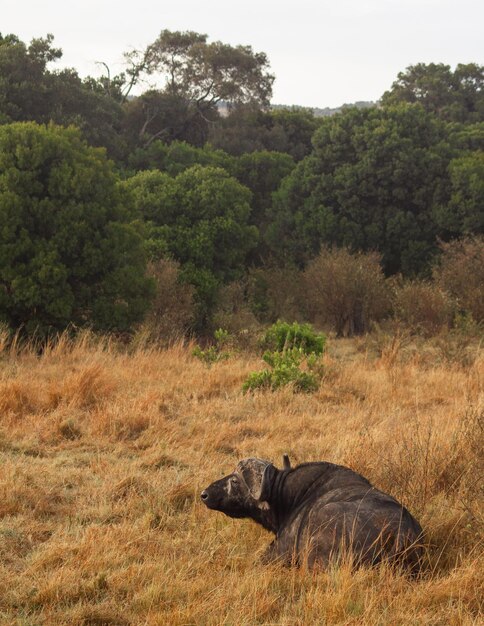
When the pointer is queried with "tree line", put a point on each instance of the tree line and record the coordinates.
(100, 188)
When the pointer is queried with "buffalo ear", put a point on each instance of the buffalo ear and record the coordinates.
(286, 463)
(266, 483)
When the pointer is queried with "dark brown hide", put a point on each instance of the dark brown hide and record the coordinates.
(316, 511)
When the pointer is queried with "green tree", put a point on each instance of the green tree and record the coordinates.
(24, 88)
(68, 253)
(453, 96)
(86, 105)
(262, 172)
(200, 218)
(156, 115)
(371, 183)
(463, 214)
(177, 156)
(292, 131)
(466, 137)
(248, 129)
(31, 91)
(195, 76)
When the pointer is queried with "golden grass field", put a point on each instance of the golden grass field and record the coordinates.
(104, 452)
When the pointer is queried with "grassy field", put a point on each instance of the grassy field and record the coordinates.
(104, 453)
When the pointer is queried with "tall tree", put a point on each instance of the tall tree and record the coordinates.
(201, 219)
(68, 253)
(371, 183)
(196, 72)
(248, 129)
(463, 213)
(31, 91)
(453, 96)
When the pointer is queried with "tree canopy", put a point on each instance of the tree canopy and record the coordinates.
(210, 237)
(463, 213)
(68, 254)
(369, 184)
(452, 95)
(202, 72)
(195, 76)
(31, 91)
(249, 128)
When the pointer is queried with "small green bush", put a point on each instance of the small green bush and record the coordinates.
(283, 336)
(289, 347)
(285, 370)
(215, 352)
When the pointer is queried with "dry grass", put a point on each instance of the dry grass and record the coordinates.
(103, 455)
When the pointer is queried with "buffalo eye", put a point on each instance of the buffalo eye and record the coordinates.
(234, 480)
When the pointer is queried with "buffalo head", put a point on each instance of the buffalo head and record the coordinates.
(242, 493)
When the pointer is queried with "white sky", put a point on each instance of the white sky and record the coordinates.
(323, 53)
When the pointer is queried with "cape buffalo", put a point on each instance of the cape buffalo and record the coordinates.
(318, 510)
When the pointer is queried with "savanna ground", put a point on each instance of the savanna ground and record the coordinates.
(104, 453)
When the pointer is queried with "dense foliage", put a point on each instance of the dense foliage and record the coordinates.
(30, 91)
(283, 336)
(293, 357)
(214, 186)
(68, 254)
(372, 182)
(451, 95)
(210, 237)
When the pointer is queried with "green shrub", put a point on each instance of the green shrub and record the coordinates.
(215, 352)
(285, 370)
(283, 336)
(290, 346)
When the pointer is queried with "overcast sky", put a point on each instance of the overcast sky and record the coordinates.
(323, 53)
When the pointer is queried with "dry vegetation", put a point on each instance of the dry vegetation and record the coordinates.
(104, 452)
